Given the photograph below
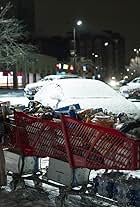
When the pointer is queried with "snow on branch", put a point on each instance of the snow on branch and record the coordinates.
(13, 36)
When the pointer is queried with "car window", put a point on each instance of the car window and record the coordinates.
(135, 81)
(65, 77)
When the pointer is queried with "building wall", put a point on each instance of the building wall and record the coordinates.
(110, 59)
(41, 64)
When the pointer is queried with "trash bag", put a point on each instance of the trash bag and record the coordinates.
(126, 127)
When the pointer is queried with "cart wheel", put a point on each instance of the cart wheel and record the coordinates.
(83, 189)
(85, 202)
(60, 201)
(45, 176)
(37, 184)
(13, 185)
(16, 184)
(21, 183)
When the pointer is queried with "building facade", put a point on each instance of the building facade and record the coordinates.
(105, 51)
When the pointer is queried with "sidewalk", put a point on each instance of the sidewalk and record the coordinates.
(5, 91)
(24, 198)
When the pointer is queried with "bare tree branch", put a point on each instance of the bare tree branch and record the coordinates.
(5, 9)
(12, 36)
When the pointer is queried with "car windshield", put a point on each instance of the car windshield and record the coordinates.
(53, 77)
(89, 88)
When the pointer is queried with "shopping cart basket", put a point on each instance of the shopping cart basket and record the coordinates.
(83, 145)
(97, 147)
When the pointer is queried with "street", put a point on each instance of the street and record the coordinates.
(14, 96)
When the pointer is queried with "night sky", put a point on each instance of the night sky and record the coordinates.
(56, 17)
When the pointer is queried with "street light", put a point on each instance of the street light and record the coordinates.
(137, 51)
(95, 56)
(78, 23)
(106, 44)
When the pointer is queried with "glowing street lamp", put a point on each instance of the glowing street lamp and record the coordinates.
(106, 44)
(137, 51)
(96, 55)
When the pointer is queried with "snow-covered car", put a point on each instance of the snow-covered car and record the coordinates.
(131, 89)
(31, 88)
(88, 93)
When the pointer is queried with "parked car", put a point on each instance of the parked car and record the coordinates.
(88, 93)
(31, 88)
(131, 89)
(123, 82)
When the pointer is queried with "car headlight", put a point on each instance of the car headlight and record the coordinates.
(113, 83)
(125, 93)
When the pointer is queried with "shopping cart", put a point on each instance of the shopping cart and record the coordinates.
(73, 147)
(83, 145)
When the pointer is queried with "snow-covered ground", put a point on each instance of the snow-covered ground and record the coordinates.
(33, 197)
(16, 100)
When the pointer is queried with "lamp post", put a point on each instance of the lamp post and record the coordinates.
(137, 51)
(74, 47)
(78, 23)
(96, 64)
